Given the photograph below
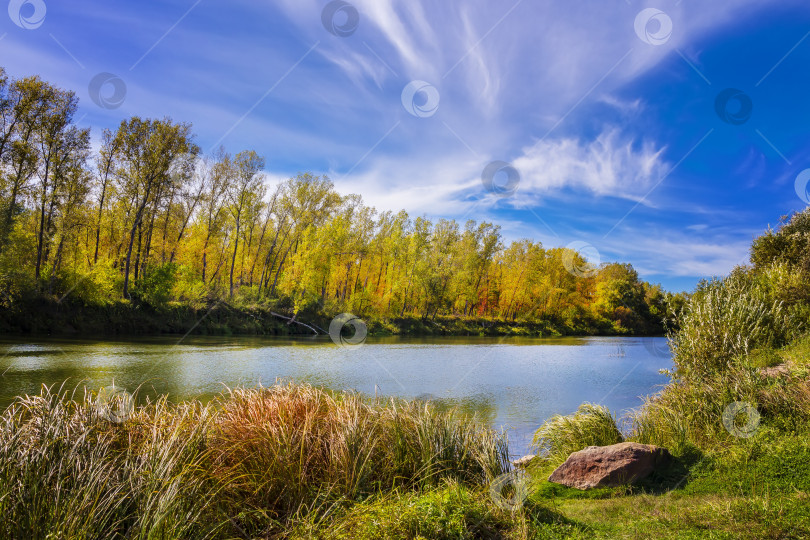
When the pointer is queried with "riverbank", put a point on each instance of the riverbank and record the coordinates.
(293, 461)
(733, 476)
(48, 316)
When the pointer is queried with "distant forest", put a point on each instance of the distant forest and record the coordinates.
(149, 220)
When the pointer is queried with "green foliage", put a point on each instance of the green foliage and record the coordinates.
(188, 288)
(591, 425)
(790, 244)
(727, 319)
(155, 286)
(94, 287)
(451, 512)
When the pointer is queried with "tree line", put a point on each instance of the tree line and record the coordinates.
(147, 217)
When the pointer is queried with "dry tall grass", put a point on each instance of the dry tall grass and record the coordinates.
(244, 465)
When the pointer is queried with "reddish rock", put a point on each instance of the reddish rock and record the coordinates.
(608, 466)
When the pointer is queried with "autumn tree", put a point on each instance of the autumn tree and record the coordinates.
(145, 150)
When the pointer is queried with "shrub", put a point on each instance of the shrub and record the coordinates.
(591, 425)
(155, 285)
(789, 244)
(726, 319)
(98, 286)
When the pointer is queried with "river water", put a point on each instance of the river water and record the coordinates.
(511, 383)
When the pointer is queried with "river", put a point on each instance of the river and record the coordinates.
(512, 383)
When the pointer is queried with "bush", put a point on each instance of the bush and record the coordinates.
(725, 320)
(97, 287)
(591, 425)
(789, 244)
(155, 286)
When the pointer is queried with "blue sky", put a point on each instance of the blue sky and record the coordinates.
(608, 113)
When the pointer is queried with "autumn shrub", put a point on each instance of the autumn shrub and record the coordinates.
(98, 286)
(155, 286)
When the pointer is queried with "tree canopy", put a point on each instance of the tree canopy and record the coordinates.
(148, 218)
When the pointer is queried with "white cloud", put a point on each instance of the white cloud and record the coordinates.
(684, 255)
(434, 187)
(608, 165)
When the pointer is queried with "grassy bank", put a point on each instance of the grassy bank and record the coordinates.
(720, 484)
(735, 415)
(41, 315)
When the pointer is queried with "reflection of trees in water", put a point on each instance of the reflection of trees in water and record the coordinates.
(482, 406)
(31, 353)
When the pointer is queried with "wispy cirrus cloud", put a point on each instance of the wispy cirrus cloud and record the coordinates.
(590, 115)
(612, 164)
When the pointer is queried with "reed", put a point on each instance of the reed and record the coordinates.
(290, 447)
(247, 464)
(690, 412)
(725, 320)
(591, 425)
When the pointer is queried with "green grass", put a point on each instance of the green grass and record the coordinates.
(449, 512)
(756, 488)
(718, 485)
